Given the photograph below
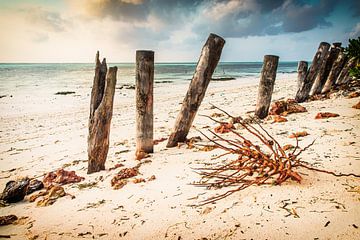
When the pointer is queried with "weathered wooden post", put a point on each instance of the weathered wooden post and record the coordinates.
(344, 74)
(144, 101)
(266, 85)
(210, 56)
(101, 106)
(303, 93)
(302, 70)
(334, 73)
(325, 68)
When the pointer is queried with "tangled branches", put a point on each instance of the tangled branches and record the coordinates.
(252, 165)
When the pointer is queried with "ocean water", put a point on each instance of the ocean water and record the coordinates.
(49, 78)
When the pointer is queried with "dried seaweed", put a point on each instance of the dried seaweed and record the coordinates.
(141, 155)
(34, 186)
(299, 134)
(322, 115)
(61, 177)
(138, 180)
(157, 141)
(152, 178)
(120, 179)
(49, 196)
(286, 107)
(6, 220)
(277, 118)
(354, 94)
(118, 165)
(356, 106)
(224, 128)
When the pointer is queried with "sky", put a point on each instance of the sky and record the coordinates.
(73, 30)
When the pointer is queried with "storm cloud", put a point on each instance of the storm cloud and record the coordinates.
(232, 18)
(175, 29)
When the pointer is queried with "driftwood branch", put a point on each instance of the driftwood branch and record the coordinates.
(253, 165)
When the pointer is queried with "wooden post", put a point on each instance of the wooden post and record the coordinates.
(344, 74)
(206, 65)
(144, 101)
(101, 106)
(266, 85)
(302, 70)
(325, 69)
(303, 93)
(334, 73)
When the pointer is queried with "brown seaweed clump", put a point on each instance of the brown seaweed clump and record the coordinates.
(120, 179)
(322, 115)
(49, 196)
(356, 106)
(286, 107)
(61, 177)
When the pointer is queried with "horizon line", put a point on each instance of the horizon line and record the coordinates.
(135, 62)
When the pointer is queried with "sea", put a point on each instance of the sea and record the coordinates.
(51, 78)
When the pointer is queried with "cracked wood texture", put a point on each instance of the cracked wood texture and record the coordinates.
(334, 73)
(302, 70)
(344, 74)
(101, 108)
(144, 101)
(209, 58)
(266, 85)
(303, 92)
(325, 69)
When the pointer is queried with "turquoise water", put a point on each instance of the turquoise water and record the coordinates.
(74, 76)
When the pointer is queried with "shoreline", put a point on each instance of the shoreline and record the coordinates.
(51, 137)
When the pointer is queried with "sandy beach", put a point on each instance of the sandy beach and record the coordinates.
(37, 138)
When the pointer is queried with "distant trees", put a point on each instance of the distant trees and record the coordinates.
(353, 51)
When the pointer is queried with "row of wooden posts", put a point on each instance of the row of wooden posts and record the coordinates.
(330, 67)
(320, 77)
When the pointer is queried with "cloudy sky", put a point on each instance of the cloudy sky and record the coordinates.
(72, 30)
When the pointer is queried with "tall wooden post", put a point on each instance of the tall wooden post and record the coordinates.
(325, 68)
(266, 85)
(302, 70)
(144, 101)
(334, 73)
(101, 107)
(303, 93)
(210, 56)
(344, 74)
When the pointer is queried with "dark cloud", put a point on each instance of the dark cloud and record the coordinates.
(127, 11)
(355, 7)
(139, 10)
(229, 18)
(299, 17)
(268, 6)
(269, 18)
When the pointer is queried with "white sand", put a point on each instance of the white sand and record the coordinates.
(38, 137)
